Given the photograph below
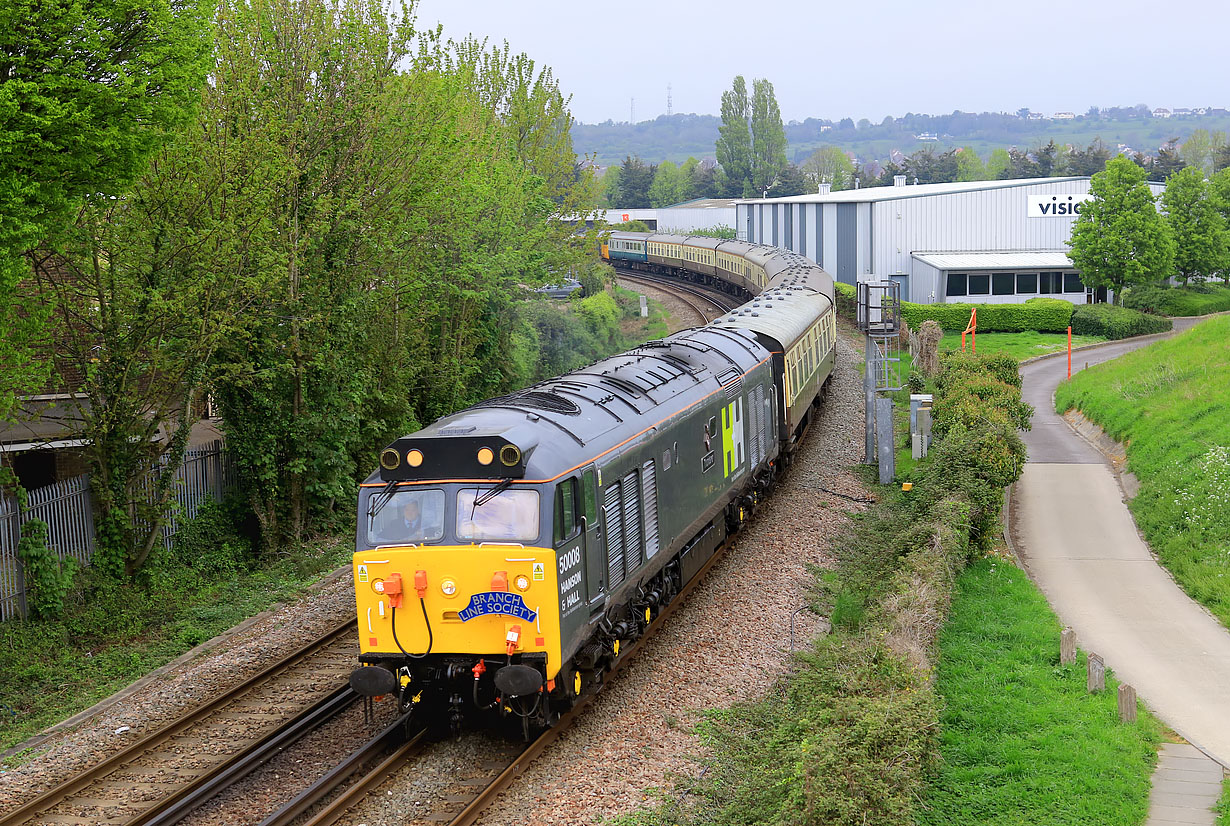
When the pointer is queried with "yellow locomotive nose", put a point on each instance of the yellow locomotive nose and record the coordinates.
(468, 600)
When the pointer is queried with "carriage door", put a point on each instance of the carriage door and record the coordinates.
(569, 543)
(595, 549)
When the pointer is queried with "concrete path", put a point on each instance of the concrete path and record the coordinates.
(1186, 786)
(1080, 545)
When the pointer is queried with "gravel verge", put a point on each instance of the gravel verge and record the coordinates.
(162, 697)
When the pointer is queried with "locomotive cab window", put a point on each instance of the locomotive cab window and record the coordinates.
(410, 516)
(567, 518)
(510, 515)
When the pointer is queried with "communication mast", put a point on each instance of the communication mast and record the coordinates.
(670, 104)
(632, 111)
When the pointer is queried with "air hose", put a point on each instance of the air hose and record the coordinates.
(430, 639)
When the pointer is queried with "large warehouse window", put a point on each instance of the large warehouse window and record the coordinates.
(956, 283)
(961, 284)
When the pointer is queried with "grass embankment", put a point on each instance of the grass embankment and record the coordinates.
(112, 634)
(1018, 345)
(1022, 742)
(1170, 403)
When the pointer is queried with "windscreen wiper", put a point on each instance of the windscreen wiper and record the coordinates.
(488, 495)
(381, 499)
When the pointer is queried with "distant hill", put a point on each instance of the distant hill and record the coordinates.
(676, 137)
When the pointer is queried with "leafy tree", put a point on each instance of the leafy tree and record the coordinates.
(1200, 150)
(999, 165)
(703, 182)
(1088, 161)
(829, 164)
(610, 186)
(1119, 238)
(1221, 158)
(1167, 162)
(635, 179)
(970, 166)
(1198, 229)
(670, 185)
(926, 166)
(790, 181)
(768, 136)
(1219, 197)
(734, 143)
(87, 92)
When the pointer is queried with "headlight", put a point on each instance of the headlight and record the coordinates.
(448, 587)
(522, 582)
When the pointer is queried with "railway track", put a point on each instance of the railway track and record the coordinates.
(707, 304)
(162, 776)
(474, 794)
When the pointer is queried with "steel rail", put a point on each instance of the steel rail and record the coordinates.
(92, 774)
(182, 803)
(678, 287)
(321, 788)
(475, 808)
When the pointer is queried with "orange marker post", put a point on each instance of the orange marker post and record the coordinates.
(1069, 352)
(971, 328)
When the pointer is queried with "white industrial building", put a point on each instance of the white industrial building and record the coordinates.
(978, 241)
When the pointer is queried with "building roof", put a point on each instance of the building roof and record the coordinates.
(1012, 260)
(705, 203)
(890, 193)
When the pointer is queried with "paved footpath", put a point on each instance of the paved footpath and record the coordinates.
(1079, 543)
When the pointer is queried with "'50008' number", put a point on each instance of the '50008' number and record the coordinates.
(569, 559)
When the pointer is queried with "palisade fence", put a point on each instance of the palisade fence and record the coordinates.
(67, 508)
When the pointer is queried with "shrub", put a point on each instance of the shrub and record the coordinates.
(1198, 299)
(1045, 315)
(1109, 321)
(47, 579)
(847, 301)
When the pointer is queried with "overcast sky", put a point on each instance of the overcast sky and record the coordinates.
(831, 59)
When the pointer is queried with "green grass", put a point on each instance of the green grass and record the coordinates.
(112, 634)
(1170, 403)
(1223, 805)
(1022, 741)
(1019, 345)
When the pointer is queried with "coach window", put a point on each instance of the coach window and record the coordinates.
(1072, 283)
(1003, 283)
(979, 283)
(956, 284)
(566, 517)
(1026, 283)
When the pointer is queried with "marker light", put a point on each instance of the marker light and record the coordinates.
(389, 459)
(414, 458)
(523, 582)
(485, 456)
(448, 587)
(510, 455)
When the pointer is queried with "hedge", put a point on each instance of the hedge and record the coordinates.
(1199, 299)
(1045, 315)
(1109, 321)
